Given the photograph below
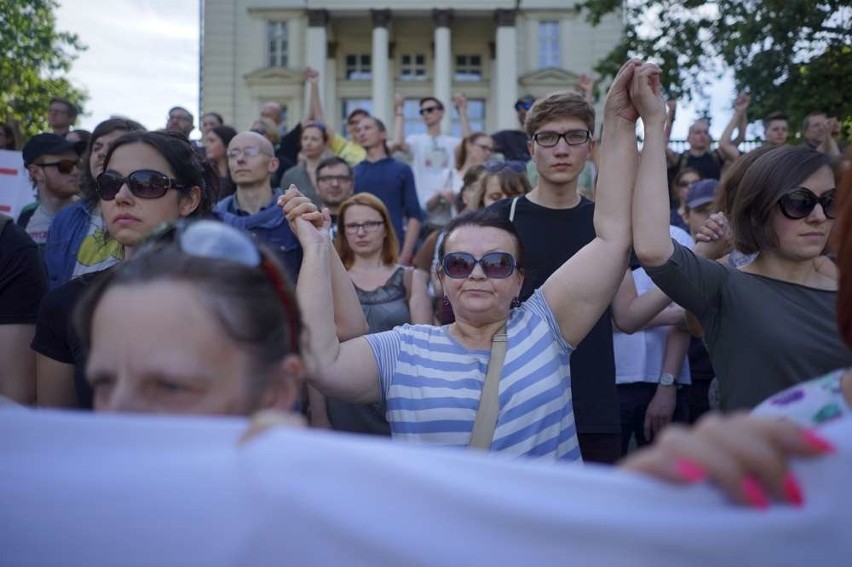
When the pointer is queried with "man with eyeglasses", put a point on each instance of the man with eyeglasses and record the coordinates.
(334, 185)
(61, 115)
(53, 165)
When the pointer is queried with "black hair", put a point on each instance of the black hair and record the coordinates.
(331, 162)
(426, 99)
(87, 185)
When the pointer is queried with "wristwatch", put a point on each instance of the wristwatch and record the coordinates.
(667, 380)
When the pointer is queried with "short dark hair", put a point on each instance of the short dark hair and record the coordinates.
(215, 115)
(770, 176)
(483, 218)
(357, 112)
(426, 99)
(69, 106)
(331, 162)
(773, 116)
(108, 126)
(733, 176)
(189, 168)
(559, 105)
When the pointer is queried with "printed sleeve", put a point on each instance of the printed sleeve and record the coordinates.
(386, 347)
(537, 305)
(692, 282)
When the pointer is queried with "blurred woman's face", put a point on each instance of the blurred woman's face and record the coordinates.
(208, 122)
(493, 192)
(213, 146)
(313, 144)
(100, 147)
(479, 151)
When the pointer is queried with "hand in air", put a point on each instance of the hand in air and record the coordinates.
(646, 94)
(460, 102)
(398, 101)
(618, 103)
(308, 224)
(742, 102)
(745, 456)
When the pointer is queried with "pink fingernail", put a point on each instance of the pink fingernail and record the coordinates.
(690, 471)
(754, 494)
(816, 442)
(793, 491)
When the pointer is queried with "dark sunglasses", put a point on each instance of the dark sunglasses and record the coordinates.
(497, 166)
(65, 166)
(220, 241)
(144, 184)
(429, 110)
(495, 265)
(801, 201)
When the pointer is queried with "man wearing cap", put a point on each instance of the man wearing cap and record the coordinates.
(513, 143)
(53, 165)
(699, 203)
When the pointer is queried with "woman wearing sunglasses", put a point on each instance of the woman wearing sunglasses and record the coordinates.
(770, 323)
(389, 294)
(148, 178)
(432, 378)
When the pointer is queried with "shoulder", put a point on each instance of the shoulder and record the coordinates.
(14, 238)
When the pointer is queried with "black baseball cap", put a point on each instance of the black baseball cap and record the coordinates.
(47, 143)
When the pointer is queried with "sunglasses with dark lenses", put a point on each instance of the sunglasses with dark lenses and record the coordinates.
(220, 241)
(497, 166)
(495, 265)
(144, 184)
(549, 139)
(429, 110)
(65, 166)
(801, 201)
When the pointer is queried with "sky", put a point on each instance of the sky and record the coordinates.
(143, 58)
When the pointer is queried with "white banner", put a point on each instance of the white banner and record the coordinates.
(80, 489)
(16, 189)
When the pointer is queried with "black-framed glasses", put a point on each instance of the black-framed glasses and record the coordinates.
(331, 178)
(497, 166)
(428, 110)
(800, 202)
(220, 241)
(548, 139)
(368, 226)
(495, 265)
(65, 166)
(143, 183)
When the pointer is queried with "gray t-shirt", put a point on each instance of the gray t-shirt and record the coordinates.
(764, 335)
(39, 225)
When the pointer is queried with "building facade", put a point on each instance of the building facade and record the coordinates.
(493, 51)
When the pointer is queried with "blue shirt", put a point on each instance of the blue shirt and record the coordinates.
(393, 182)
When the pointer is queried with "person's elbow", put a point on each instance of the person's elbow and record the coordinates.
(653, 253)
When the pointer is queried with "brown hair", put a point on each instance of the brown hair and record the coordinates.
(461, 149)
(674, 199)
(771, 175)
(843, 239)
(732, 178)
(390, 246)
(512, 184)
(557, 106)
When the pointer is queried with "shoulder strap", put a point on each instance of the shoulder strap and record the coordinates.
(489, 400)
(512, 208)
(407, 274)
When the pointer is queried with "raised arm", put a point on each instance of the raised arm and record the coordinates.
(671, 113)
(581, 289)
(345, 371)
(315, 110)
(398, 142)
(727, 146)
(651, 239)
(460, 102)
(632, 312)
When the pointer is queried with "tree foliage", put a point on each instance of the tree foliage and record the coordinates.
(790, 55)
(34, 61)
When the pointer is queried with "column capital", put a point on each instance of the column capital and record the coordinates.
(505, 17)
(442, 18)
(381, 18)
(317, 18)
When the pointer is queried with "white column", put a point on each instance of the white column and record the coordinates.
(443, 64)
(316, 52)
(506, 66)
(382, 85)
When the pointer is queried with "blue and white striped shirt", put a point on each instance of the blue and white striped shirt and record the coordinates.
(432, 385)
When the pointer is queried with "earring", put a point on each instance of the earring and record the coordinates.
(516, 302)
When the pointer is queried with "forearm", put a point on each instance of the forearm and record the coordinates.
(618, 166)
(464, 123)
(316, 301)
(349, 318)
(315, 105)
(412, 232)
(398, 142)
(651, 213)
(641, 312)
(726, 145)
(677, 345)
(18, 381)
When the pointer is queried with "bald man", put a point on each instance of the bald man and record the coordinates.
(252, 207)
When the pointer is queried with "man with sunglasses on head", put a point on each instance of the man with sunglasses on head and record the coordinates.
(53, 165)
(513, 143)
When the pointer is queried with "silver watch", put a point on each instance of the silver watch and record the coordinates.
(667, 380)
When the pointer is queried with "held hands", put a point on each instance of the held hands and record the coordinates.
(311, 75)
(745, 456)
(618, 103)
(646, 94)
(309, 225)
(742, 102)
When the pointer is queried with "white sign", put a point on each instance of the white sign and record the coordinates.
(16, 189)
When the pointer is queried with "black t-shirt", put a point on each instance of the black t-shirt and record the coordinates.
(55, 337)
(709, 164)
(549, 238)
(23, 281)
(512, 144)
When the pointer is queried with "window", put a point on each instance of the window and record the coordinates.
(359, 67)
(548, 44)
(468, 68)
(350, 104)
(278, 44)
(413, 67)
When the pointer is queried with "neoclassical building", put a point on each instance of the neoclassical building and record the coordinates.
(493, 51)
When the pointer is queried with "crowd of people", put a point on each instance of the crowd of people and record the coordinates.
(535, 292)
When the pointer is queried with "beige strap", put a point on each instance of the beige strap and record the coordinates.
(489, 400)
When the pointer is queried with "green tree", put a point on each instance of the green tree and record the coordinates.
(34, 61)
(790, 55)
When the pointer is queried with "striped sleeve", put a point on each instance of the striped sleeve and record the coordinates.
(537, 305)
(386, 346)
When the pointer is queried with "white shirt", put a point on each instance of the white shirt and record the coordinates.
(433, 160)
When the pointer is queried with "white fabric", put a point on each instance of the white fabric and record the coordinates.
(639, 357)
(80, 489)
(433, 160)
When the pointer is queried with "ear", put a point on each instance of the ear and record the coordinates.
(273, 165)
(285, 384)
(531, 148)
(188, 203)
(36, 173)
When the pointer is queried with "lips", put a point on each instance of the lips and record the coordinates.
(125, 219)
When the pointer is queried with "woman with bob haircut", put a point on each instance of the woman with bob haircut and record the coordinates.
(768, 324)
(390, 295)
(147, 179)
